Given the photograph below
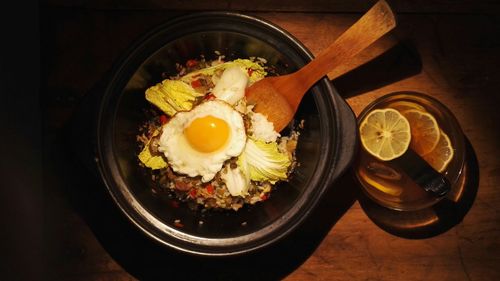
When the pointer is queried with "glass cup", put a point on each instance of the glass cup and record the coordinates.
(385, 182)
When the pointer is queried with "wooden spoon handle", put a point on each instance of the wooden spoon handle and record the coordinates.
(371, 26)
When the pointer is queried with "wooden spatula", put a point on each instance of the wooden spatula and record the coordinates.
(278, 97)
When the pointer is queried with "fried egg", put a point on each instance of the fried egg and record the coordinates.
(197, 142)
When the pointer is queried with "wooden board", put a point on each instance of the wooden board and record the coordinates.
(460, 61)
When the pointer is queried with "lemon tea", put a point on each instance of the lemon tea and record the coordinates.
(435, 137)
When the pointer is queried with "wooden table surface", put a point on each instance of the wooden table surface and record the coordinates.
(460, 58)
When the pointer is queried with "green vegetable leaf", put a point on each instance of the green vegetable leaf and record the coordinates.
(149, 160)
(264, 161)
(237, 180)
(171, 96)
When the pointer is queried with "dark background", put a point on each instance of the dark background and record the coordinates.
(21, 187)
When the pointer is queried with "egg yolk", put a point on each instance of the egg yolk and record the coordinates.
(207, 134)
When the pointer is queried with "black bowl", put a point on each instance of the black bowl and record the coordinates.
(326, 146)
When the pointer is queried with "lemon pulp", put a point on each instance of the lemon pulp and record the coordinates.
(424, 131)
(441, 155)
(385, 133)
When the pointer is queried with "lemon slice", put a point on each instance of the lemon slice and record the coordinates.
(385, 133)
(441, 155)
(424, 131)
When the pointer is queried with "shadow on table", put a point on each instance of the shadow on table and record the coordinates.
(397, 63)
(431, 221)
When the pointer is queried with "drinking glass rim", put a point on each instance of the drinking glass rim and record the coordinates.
(450, 122)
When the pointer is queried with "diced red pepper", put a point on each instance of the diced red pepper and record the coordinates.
(250, 71)
(191, 63)
(264, 196)
(209, 188)
(178, 224)
(163, 119)
(196, 83)
(192, 193)
(209, 96)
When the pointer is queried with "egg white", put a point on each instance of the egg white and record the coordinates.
(184, 159)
